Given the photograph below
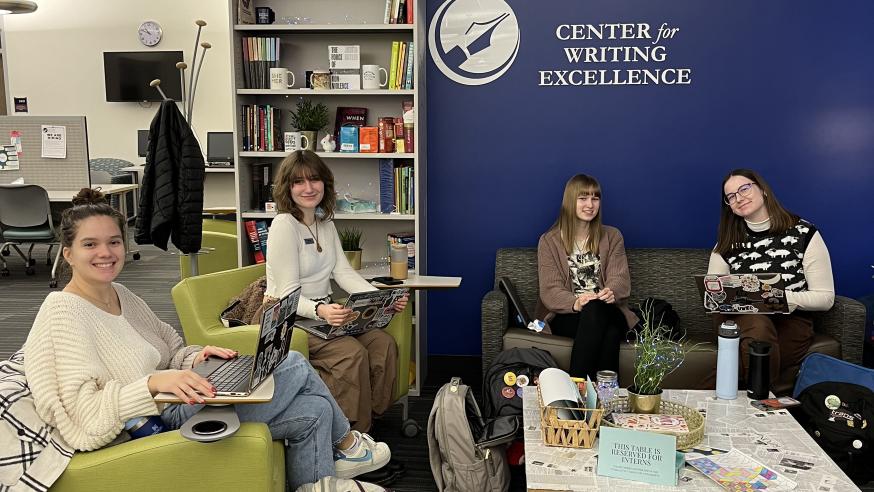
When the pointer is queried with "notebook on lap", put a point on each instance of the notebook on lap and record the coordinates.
(370, 310)
(243, 374)
(743, 293)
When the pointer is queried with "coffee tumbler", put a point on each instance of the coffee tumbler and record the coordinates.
(398, 261)
(726, 361)
(758, 375)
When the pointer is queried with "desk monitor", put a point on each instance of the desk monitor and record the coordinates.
(220, 149)
(142, 143)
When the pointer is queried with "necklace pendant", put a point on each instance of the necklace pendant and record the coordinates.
(318, 247)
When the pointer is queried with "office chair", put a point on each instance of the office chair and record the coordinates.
(26, 217)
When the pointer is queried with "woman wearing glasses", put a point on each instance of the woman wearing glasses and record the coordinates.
(758, 235)
(584, 280)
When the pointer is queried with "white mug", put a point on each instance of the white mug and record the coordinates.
(279, 79)
(295, 141)
(370, 77)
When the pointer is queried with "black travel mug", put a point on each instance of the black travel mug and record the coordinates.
(759, 377)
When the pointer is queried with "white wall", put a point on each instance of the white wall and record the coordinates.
(55, 59)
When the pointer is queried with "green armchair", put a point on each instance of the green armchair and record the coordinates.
(220, 239)
(248, 460)
(200, 300)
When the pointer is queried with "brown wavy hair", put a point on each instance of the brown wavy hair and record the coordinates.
(303, 164)
(87, 203)
(732, 228)
(567, 216)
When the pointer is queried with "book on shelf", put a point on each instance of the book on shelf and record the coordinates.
(386, 185)
(408, 74)
(344, 57)
(349, 138)
(347, 116)
(255, 241)
(260, 128)
(386, 134)
(398, 12)
(409, 240)
(261, 227)
(386, 19)
(393, 66)
(367, 139)
(402, 12)
(260, 54)
(262, 180)
(245, 12)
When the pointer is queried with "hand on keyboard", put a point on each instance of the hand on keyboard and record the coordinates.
(185, 384)
(224, 353)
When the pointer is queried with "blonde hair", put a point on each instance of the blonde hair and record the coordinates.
(578, 186)
(303, 164)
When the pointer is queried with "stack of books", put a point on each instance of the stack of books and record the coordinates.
(260, 128)
(257, 232)
(259, 56)
(398, 12)
(400, 74)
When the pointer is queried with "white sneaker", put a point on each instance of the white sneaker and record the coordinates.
(365, 456)
(334, 484)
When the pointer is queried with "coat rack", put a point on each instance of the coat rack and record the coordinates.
(188, 109)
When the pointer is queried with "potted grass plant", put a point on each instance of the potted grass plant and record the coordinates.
(351, 240)
(310, 118)
(656, 356)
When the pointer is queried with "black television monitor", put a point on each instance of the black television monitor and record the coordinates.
(127, 75)
(220, 147)
(142, 143)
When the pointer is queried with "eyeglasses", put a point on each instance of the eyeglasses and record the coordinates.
(744, 190)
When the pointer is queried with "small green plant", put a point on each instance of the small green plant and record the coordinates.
(350, 238)
(656, 354)
(309, 117)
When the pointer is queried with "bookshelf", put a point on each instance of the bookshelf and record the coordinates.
(304, 47)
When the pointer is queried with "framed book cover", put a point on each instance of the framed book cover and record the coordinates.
(245, 12)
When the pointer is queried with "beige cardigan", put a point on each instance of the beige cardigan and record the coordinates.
(556, 292)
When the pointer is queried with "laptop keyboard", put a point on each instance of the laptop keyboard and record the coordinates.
(229, 375)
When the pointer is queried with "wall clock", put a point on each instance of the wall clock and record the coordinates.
(150, 33)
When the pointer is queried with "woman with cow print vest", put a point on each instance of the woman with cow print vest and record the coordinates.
(756, 234)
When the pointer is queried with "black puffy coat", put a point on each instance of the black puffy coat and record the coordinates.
(171, 195)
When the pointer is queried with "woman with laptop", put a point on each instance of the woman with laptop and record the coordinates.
(97, 355)
(757, 235)
(584, 280)
(303, 249)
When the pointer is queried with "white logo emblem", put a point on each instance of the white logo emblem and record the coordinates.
(473, 42)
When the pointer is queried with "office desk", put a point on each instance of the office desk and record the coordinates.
(66, 196)
(136, 172)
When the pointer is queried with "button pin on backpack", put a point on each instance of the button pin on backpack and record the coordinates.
(508, 392)
(510, 378)
(522, 380)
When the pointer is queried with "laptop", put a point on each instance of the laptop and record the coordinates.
(522, 318)
(743, 293)
(370, 310)
(220, 149)
(241, 375)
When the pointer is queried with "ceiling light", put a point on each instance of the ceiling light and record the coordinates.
(16, 7)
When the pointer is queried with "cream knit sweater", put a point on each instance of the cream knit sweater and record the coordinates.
(89, 370)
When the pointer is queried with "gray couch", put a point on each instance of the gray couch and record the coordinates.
(665, 274)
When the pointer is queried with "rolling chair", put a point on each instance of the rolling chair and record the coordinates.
(26, 217)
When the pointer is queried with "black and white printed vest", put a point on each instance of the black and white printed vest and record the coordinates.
(778, 253)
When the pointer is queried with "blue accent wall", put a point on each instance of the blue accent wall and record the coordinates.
(784, 87)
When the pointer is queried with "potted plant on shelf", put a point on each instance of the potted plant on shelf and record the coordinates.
(350, 238)
(656, 356)
(310, 118)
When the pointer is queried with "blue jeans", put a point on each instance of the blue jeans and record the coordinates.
(302, 412)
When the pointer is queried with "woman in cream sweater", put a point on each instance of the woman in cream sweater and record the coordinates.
(584, 280)
(97, 355)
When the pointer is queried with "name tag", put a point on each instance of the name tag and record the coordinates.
(308, 240)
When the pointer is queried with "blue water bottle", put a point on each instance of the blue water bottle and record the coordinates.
(727, 360)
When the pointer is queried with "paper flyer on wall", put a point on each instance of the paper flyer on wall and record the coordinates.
(54, 142)
(735, 470)
(8, 158)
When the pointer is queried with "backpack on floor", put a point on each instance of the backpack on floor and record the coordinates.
(661, 312)
(467, 452)
(837, 410)
(505, 372)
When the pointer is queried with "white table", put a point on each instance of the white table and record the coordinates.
(767, 437)
(66, 196)
(414, 281)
